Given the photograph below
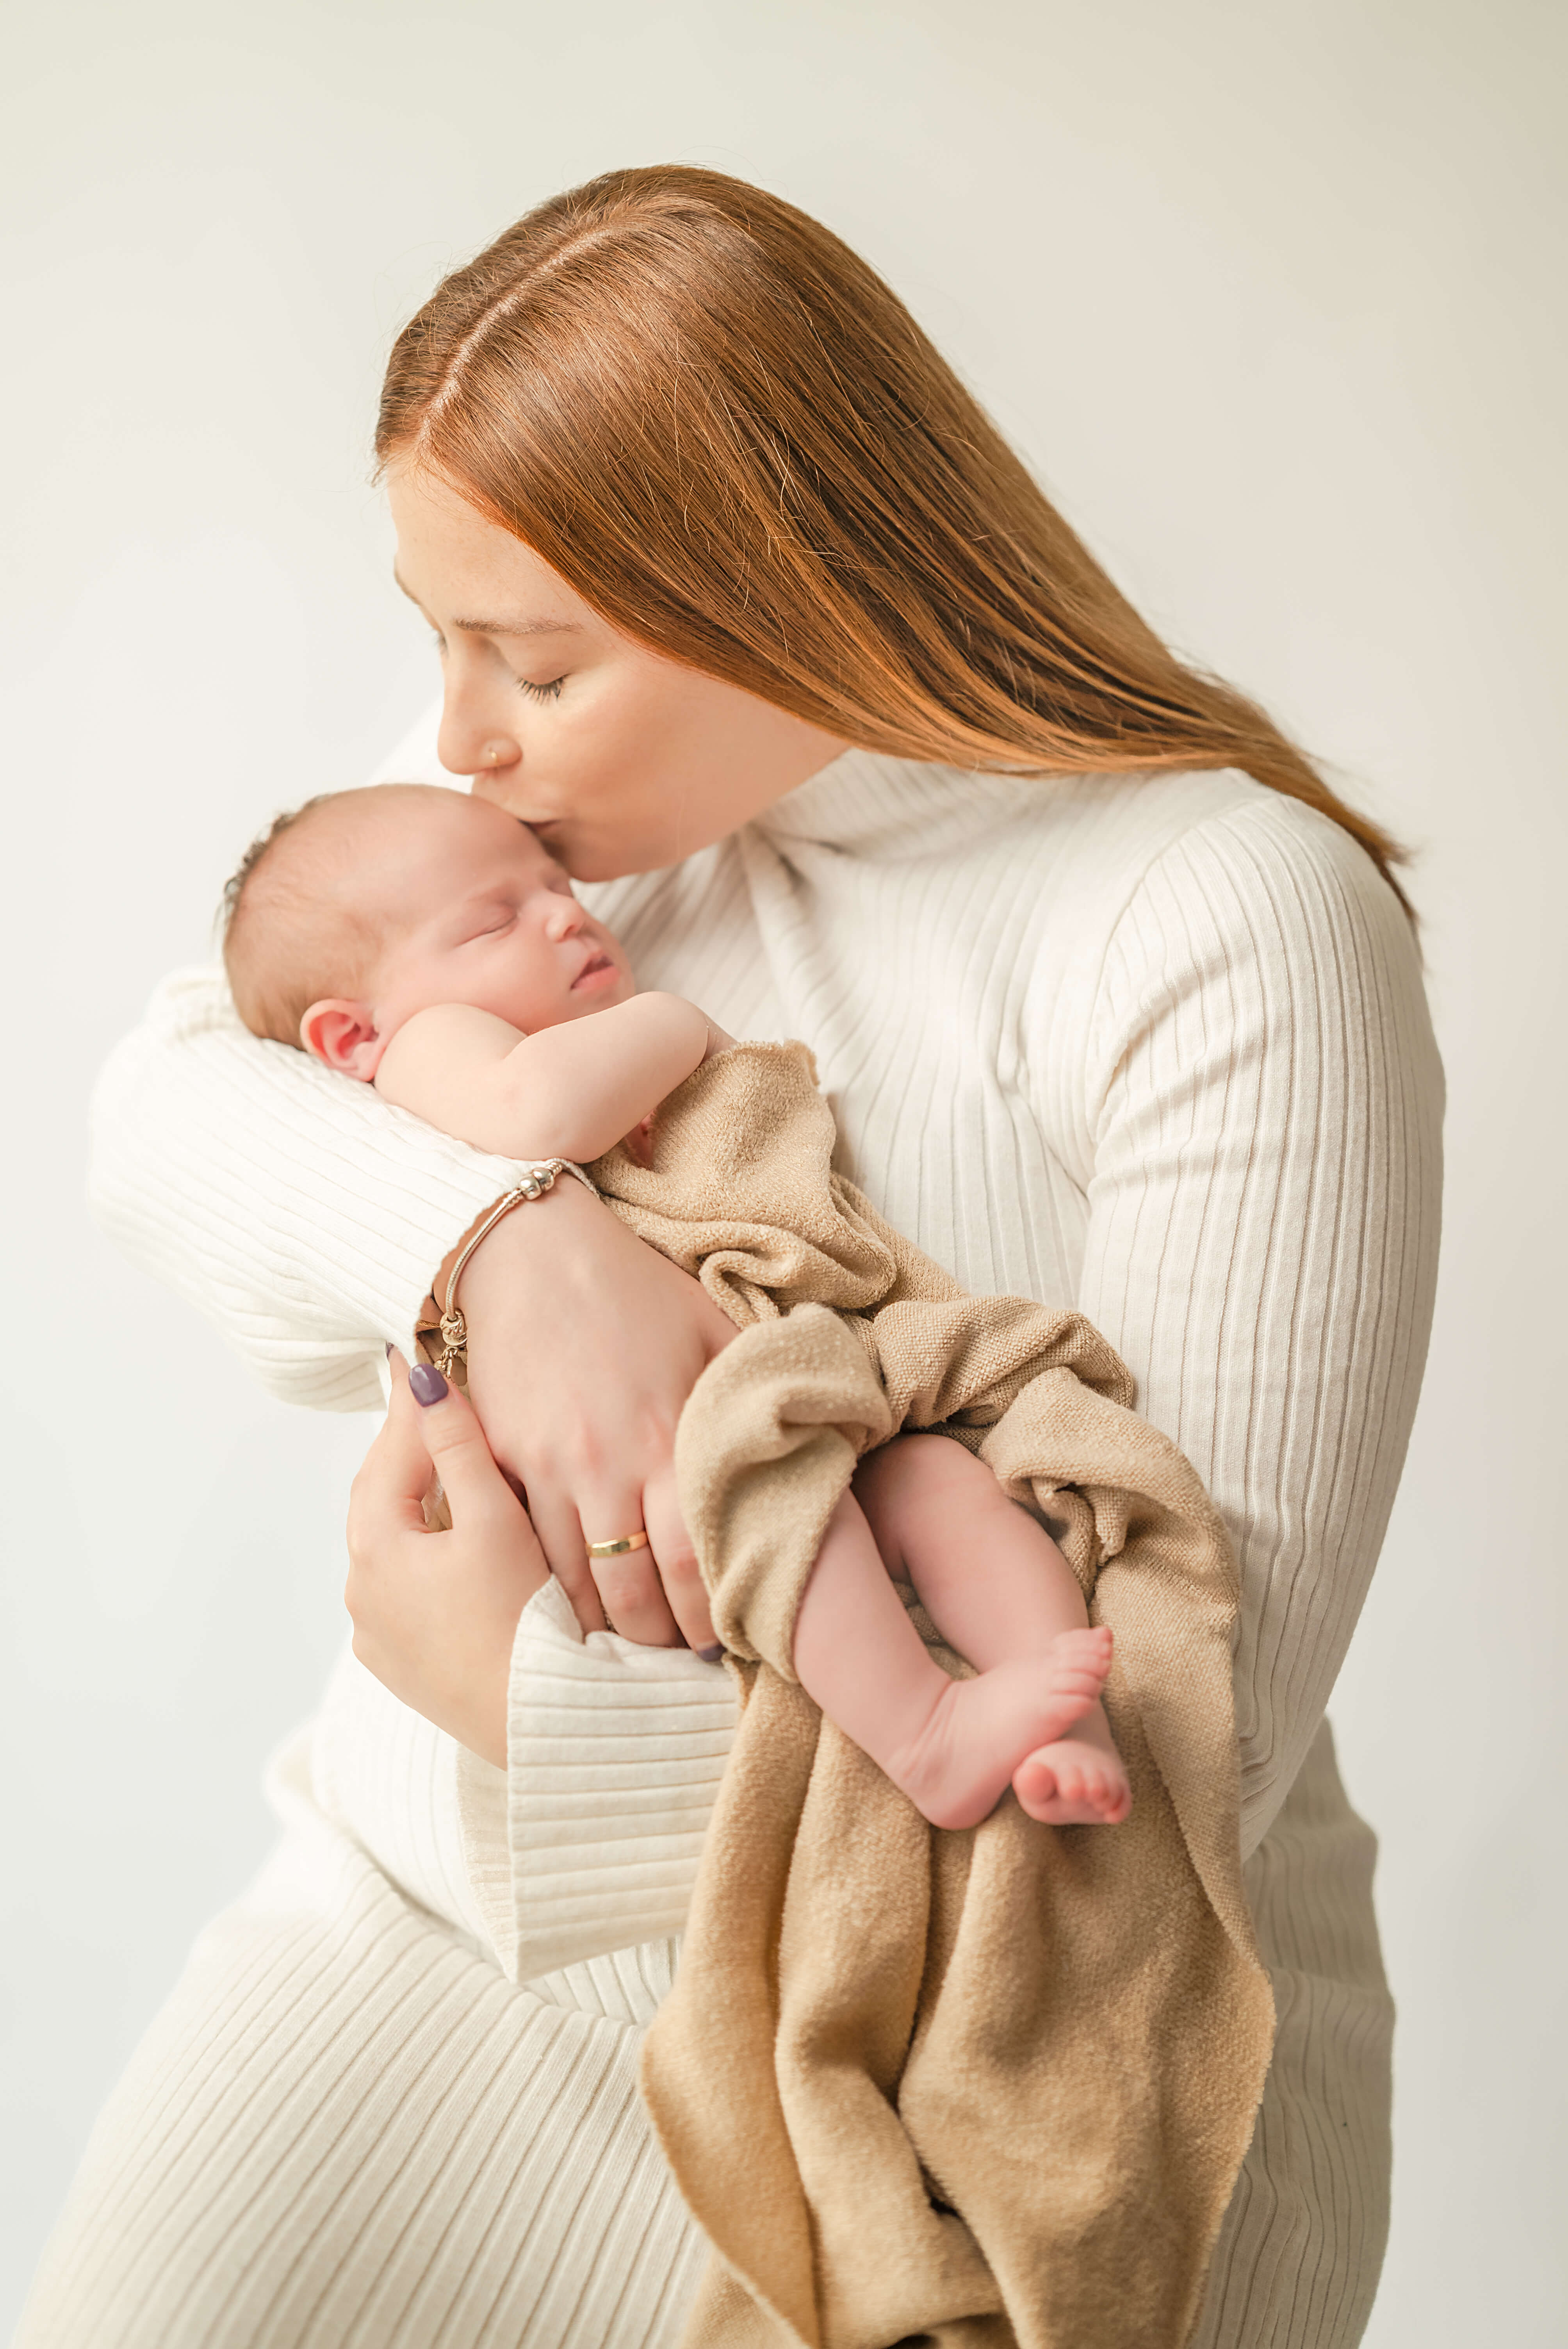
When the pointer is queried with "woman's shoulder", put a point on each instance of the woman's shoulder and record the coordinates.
(1209, 904)
(1201, 927)
(1209, 855)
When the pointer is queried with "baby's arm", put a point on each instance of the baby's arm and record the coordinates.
(570, 1091)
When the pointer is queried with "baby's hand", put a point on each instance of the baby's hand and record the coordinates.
(638, 1145)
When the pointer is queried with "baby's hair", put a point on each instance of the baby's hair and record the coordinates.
(292, 931)
(262, 845)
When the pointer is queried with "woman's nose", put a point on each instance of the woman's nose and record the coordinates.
(469, 741)
(464, 752)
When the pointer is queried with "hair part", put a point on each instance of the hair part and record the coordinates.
(731, 437)
(293, 931)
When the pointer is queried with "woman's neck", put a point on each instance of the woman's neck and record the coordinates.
(867, 805)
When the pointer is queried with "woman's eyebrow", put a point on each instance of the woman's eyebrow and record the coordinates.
(540, 628)
(520, 628)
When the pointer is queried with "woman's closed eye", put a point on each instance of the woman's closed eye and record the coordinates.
(551, 692)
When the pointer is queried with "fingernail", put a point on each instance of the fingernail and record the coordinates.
(711, 1655)
(389, 1350)
(425, 1383)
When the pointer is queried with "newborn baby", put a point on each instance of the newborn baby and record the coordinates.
(426, 943)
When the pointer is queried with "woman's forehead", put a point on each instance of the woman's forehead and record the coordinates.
(461, 567)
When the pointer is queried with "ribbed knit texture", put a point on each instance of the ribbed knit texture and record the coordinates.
(1156, 1047)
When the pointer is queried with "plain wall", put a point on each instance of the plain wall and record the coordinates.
(1268, 296)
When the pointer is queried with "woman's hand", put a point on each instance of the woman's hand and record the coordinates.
(584, 1345)
(435, 1614)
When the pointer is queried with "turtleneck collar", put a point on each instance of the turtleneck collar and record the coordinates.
(865, 804)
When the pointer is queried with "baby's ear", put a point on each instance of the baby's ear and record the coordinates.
(344, 1035)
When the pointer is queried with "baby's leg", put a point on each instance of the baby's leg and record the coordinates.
(1000, 1591)
(952, 1746)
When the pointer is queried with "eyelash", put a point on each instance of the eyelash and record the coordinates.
(551, 692)
(536, 694)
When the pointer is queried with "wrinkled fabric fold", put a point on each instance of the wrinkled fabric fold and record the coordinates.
(982, 2087)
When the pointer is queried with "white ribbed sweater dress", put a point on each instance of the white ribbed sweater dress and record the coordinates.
(1153, 1046)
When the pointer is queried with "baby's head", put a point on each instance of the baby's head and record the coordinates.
(363, 907)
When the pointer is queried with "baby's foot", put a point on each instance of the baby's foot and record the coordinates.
(983, 1731)
(1077, 1782)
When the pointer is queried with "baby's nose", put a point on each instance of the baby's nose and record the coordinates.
(563, 915)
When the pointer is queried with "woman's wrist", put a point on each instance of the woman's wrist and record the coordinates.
(484, 1245)
(583, 1346)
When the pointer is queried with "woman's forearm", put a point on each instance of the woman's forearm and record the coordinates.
(301, 1213)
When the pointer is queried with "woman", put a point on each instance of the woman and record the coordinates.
(747, 607)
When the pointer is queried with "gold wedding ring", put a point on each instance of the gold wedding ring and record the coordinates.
(618, 1548)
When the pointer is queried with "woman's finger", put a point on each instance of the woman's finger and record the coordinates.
(560, 1536)
(628, 1586)
(673, 1554)
(435, 1614)
(387, 1495)
(431, 1410)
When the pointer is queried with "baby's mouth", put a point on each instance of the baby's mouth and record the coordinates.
(592, 967)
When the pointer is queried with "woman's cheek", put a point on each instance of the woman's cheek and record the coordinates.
(619, 779)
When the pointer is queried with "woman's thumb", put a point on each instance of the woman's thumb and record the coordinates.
(454, 1440)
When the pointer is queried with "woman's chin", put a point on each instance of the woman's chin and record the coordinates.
(593, 861)
(613, 856)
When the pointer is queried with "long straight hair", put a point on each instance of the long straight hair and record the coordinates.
(722, 429)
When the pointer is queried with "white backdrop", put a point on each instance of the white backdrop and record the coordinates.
(1265, 294)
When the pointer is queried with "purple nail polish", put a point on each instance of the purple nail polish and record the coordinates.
(426, 1384)
(711, 1655)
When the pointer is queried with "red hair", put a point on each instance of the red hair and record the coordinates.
(722, 429)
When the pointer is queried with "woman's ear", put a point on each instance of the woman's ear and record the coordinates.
(345, 1036)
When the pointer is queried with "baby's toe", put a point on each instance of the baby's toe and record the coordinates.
(1035, 1784)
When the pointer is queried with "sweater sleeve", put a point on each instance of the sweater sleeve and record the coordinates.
(306, 1217)
(1264, 1101)
(303, 1214)
(589, 1840)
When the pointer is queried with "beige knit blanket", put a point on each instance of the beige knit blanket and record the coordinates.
(919, 2087)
